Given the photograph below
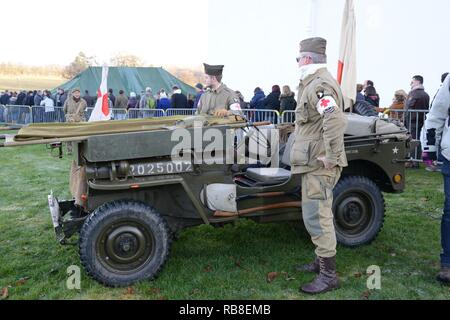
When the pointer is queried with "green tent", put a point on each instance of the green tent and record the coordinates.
(128, 80)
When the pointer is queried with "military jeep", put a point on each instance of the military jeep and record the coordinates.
(136, 197)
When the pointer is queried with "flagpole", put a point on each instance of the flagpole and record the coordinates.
(311, 28)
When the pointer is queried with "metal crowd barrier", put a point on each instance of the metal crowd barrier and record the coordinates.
(2, 113)
(116, 114)
(17, 114)
(180, 112)
(288, 117)
(145, 113)
(41, 114)
(257, 115)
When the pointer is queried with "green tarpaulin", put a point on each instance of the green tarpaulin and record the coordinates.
(44, 131)
(128, 80)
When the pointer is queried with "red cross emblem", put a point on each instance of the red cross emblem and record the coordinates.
(324, 103)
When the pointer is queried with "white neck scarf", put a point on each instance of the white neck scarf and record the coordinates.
(310, 69)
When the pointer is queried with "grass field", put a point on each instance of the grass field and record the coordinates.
(207, 263)
(29, 83)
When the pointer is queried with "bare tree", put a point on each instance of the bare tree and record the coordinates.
(126, 60)
(81, 63)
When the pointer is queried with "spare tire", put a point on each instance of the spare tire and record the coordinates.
(365, 109)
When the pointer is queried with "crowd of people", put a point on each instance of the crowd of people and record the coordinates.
(279, 99)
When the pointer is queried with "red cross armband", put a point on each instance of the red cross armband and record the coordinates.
(326, 105)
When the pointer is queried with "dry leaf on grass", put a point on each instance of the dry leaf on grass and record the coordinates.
(4, 293)
(22, 281)
(130, 291)
(155, 290)
(366, 295)
(271, 276)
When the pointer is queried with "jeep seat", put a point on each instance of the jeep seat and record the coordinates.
(269, 176)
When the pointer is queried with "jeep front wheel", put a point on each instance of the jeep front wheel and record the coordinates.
(359, 211)
(124, 242)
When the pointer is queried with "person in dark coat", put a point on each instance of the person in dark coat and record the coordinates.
(21, 98)
(112, 97)
(4, 99)
(163, 101)
(29, 100)
(133, 101)
(89, 99)
(417, 99)
(60, 98)
(178, 100)
(272, 101)
(372, 97)
(257, 101)
(287, 100)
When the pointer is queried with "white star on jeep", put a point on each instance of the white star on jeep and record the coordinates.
(395, 150)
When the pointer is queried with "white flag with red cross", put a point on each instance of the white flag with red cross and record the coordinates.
(101, 110)
(347, 56)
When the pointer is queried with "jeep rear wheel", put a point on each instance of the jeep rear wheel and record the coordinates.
(124, 242)
(359, 211)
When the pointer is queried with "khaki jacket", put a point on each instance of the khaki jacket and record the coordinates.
(121, 102)
(320, 124)
(74, 111)
(213, 100)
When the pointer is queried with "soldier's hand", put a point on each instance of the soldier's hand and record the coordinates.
(328, 165)
(222, 113)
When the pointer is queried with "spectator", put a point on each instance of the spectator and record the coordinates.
(49, 105)
(29, 100)
(244, 105)
(132, 102)
(112, 97)
(38, 98)
(200, 91)
(257, 101)
(191, 101)
(89, 99)
(272, 101)
(359, 95)
(417, 99)
(5, 97)
(121, 101)
(287, 100)
(179, 100)
(21, 98)
(147, 101)
(163, 102)
(13, 98)
(371, 96)
(60, 97)
(368, 83)
(398, 104)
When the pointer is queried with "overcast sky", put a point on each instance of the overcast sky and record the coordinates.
(257, 40)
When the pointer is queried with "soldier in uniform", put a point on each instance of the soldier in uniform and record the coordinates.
(74, 109)
(218, 99)
(318, 156)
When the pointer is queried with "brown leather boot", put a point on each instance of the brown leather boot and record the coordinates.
(312, 267)
(444, 276)
(327, 279)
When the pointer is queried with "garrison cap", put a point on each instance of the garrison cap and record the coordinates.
(315, 45)
(213, 70)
